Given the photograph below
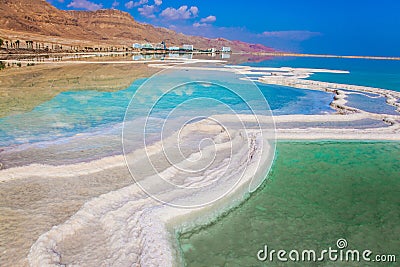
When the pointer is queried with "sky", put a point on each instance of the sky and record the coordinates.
(343, 27)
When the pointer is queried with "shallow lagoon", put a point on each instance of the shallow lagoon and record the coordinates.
(371, 104)
(75, 112)
(316, 193)
(85, 125)
(376, 73)
(90, 121)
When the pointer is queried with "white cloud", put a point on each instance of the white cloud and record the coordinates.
(290, 35)
(85, 4)
(115, 4)
(209, 19)
(282, 40)
(194, 10)
(158, 2)
(132, 4)
(198, 24)
(183, 12)
(129, 5)
(147, 11)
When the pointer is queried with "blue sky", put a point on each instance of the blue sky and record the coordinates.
(351, 27)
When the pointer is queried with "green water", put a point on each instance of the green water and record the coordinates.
(317, 192)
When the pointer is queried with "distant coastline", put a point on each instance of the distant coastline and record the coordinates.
(23, 55)
(288, 54)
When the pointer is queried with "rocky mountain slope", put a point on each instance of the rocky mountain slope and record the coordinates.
(39, 21)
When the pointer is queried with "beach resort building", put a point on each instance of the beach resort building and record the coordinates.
(147, 46)
(225, 55)
(226, 49)
(137, 46)
(137, 57)
(159, 46)
(187, 47)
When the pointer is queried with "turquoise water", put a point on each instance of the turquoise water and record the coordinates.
(316, 193)
(94, 113)
(376, 73)
(65, 115)
(70, 113)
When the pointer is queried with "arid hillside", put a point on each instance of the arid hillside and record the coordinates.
(42, 23)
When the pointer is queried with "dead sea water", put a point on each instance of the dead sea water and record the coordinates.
(316, 193)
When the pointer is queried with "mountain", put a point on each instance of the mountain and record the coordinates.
(39, 21)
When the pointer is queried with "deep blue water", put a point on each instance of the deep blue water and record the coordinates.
(371, 104)
(376, 73)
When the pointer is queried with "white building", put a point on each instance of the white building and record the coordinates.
(187, 47)
(226, 49)
(137, 57)
(187, 56)
(225, 55)
(147, 46)
(159, 46)
(174, 48)
(137, 46)
(173, 55)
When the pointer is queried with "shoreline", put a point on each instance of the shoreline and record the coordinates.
(152, 239)
(390, 132)
(128, 211)
(306, 180)
(273, 54)
(169, 226)
(168, 220)
(295, 78)
(181, 221)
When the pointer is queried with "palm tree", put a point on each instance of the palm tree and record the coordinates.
(17, 44)
(1, 42)
(7, 44)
